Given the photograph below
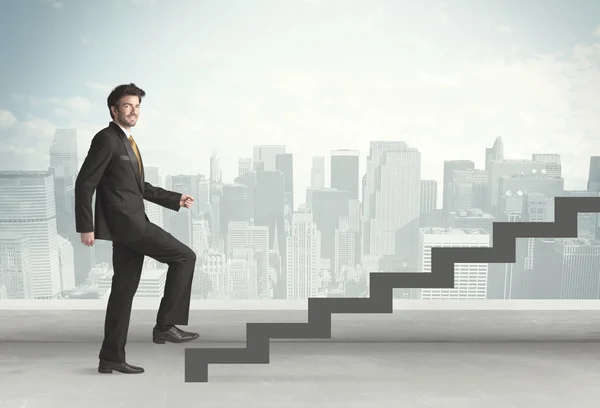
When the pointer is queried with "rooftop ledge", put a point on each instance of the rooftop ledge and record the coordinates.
(202, 304)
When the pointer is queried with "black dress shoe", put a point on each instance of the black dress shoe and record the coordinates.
(173, 335)
(107, 367)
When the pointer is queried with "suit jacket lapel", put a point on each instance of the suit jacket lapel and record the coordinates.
(132, 156)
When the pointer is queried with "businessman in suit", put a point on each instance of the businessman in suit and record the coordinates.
(114, 169)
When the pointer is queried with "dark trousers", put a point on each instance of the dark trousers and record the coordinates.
(128, 260)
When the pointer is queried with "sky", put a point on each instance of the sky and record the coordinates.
(315, 75)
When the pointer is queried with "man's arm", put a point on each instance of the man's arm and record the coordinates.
(98, 157)
(162, 197)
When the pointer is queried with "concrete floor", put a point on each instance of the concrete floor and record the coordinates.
(418, 358)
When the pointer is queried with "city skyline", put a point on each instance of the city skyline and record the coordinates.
(250, 246)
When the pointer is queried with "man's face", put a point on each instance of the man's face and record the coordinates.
(128, 111)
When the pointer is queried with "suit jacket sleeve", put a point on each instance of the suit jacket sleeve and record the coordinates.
(162, 197)
(92, 169)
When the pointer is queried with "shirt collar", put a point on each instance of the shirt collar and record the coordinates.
(124, 130)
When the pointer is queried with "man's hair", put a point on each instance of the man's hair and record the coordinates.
(120, 91)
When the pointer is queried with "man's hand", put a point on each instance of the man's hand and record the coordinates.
(87, 238)
(186, 201)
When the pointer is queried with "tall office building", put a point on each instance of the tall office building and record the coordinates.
(214, 267)
(27, 209)
(470, 279)
(284, 163)
(266, 154)
(552, 163)
(242, 268)
(450, 167)
(244, 165)
(344, 171)
(269, 198)
(327, 206)
(64, 167)
(243, 235)
(303, 256)
(428, 199)
(15, 266)
(594, 174)
(66, 258)
(345, 246)
(567, 268)
(469, 189)
(499, 169)
(395, 223)
(235, 205)
(373, 186)
(63, 154)
(153, 211)
(216, 176)
(201, 239)
(317, 172)
(494, 153)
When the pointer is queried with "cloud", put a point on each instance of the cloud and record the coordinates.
(7, 119)
(195, 57)
(55, 4)
(103, 88)
(371, 24)
(437, 79)
(504, 29)
(597, 31)
(543, 103)
(25, 142)
(61, 106)
(137, 3)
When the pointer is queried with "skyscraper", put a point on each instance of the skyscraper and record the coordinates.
(344, 171)
(428, 201)
(216, 176)
(284, 162)
(371, 191)
(303, 256)
(317, 172)
(494, 153)
(269, 204)
(266, 154)
(450, 166)
(243, 235)
(27, 209)
(244, 165)
(552, 163)
(328, 206)
(15, 266)
(63, 154)
(394, 205)
(594, 174)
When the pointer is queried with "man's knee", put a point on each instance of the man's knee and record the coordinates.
(189, 255)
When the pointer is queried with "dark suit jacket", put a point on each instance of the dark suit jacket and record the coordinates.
(111, 169)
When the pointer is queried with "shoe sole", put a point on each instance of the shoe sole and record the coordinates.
(163, 341)
(110, 371)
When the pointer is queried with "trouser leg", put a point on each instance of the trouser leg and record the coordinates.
(127, 266)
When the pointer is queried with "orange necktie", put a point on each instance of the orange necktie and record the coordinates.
(137, 153)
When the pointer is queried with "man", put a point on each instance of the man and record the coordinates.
(114, 169)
